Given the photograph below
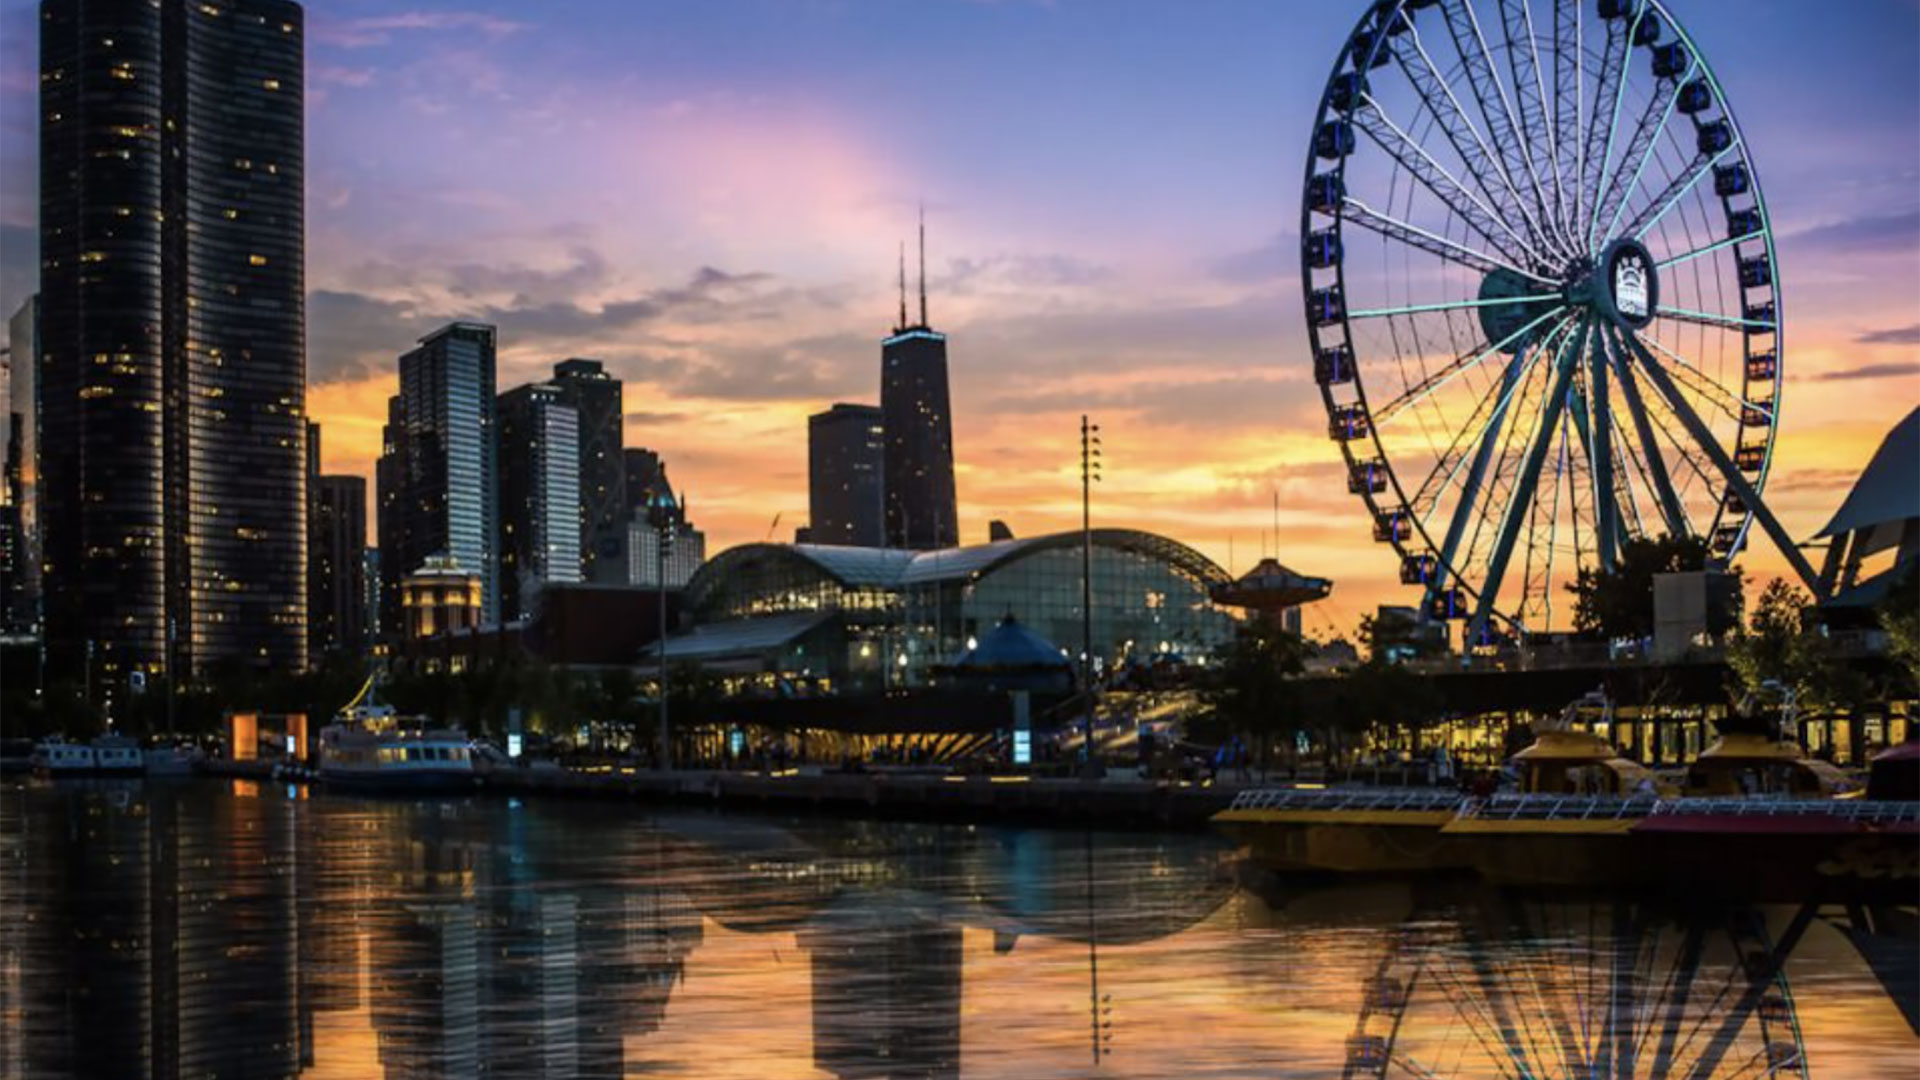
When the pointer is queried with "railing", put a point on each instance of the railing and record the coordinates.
(1572, 807)
(1346, 799)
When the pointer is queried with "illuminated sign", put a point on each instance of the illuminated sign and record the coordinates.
(1023, 748)
(1629, 284)
(513, 744)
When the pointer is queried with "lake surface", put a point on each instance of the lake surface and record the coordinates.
(218, 929)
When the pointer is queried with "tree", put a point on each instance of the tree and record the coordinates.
(1783, 642)
(1397, 634)
(1250, 690)
(1899, 616)
(1619, 603)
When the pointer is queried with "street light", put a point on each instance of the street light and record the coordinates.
(1089, 475)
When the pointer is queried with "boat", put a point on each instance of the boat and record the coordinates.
(370, 747)
(118, 755)
(173, 761)
(55, 757)
(1756, 814)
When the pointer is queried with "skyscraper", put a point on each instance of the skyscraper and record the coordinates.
(437, 473)
(596, 399)
(391, 521)
(336, 568)
(918, 463)
(655, 509)
(172, 329)
(540, 480)
(23, 462)
(846, 448)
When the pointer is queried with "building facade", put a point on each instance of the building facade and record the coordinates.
(172, 333)
(441, 597)
(846, 452)
(921, 510)
(596, 398)
(337, 609)
(21, 613)
(438, 472)
(867, 619)
(655, 510)
(540, 481)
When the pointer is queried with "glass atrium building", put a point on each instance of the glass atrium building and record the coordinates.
(868, 619)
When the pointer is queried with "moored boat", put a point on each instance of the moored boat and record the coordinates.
(117, 755)
(55, 757)
(371, 748)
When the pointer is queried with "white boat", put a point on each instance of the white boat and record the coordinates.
(181, 760)
(118, 755)
(372, 748)
(56, 757)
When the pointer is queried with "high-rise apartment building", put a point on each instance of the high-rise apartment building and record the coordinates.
(20, 591)
(540, 480)
(596, 400)
(172, 333)
(921, 508)
(437, 475)
(337, 590)
(654, 510)
(846, 450)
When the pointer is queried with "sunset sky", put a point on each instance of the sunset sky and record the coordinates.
(709, 197)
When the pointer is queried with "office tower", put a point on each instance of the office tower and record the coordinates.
(376, 593)
(337, 592)
(846, 446)
(23, 462)
(437, 475)
(540, 478)
(653, 509)
(10, 589)
(390, 519)
(596, 398)
(918, 463)
(172, 333)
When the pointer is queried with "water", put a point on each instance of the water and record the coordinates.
(222, 930)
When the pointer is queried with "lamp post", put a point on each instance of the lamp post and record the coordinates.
(1089, 475)
(663, 528)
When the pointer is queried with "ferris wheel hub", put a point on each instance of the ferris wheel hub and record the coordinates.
(1627, 291)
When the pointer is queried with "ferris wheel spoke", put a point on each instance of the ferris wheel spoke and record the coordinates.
(1530, 94)
(1454, 195)
(1759, 980)
(1569, 90)
(1703, 384)
(1523, 489)
(1449, 305)
(1676, 189)
(1688, 256)
(1671, 509)
(1503, 127)
(1653, 120)
(1485, 166)
(1711, 318)
(1359, 213)
(1597, 151)
(1446, 374)
(1703, 438)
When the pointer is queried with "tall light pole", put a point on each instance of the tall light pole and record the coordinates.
(1089, 475)
(663, 527)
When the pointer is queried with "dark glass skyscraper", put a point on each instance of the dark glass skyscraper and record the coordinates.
(540, 482)
(172, 329)
(596, 400)
(336, 553)
(921, 508)
(437, 473)
(845, 449)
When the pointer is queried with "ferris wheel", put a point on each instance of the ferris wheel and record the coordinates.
(1542, 297)
(1620, 990)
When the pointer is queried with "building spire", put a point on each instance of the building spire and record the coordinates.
(923, 264)
(902, 324)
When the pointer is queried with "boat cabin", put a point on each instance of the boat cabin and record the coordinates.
(1581, 763)
(1748, 763)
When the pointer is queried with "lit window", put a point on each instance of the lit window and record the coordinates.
(271, 84)
(230, 214)
(257, 260)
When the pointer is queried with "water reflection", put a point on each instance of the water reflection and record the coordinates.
(202, 931)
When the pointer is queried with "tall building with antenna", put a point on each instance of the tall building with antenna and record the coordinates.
(921, 509)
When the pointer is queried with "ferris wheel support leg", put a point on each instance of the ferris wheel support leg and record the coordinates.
(1475, 475)
(1606, 510)
(1735, 480)
(1522, 496)
(1759, 981)
(1677, 525)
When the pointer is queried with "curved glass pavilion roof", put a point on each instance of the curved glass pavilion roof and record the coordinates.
(892, 568)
